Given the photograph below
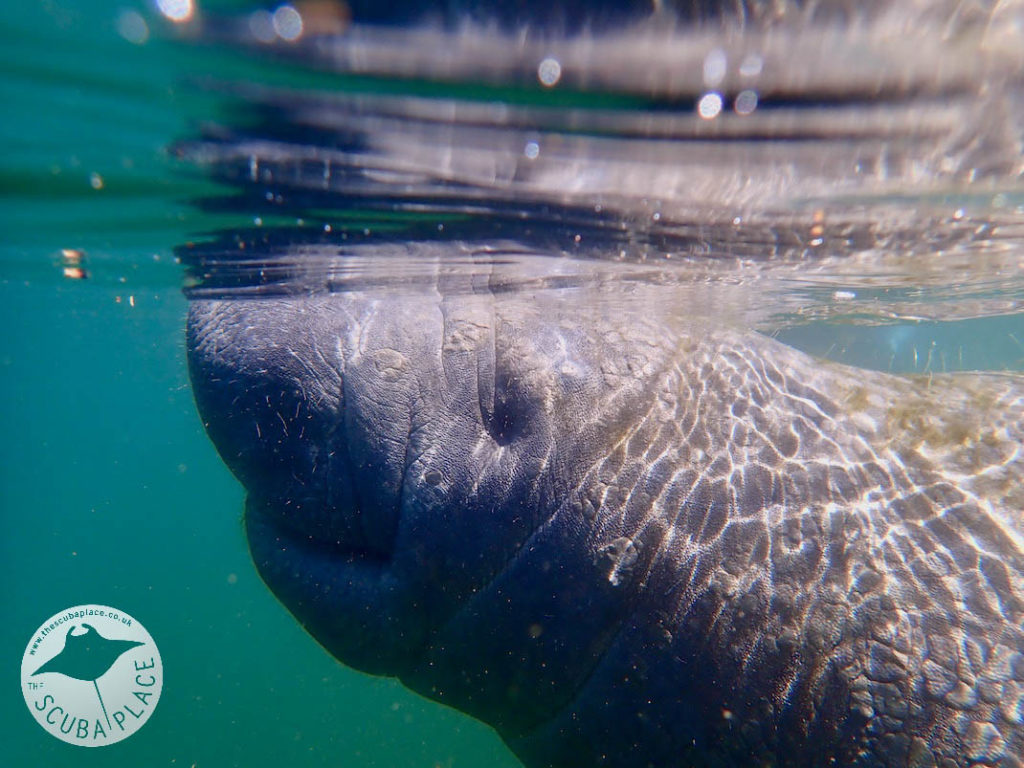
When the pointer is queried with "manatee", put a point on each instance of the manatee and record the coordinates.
(623, 536)
(541, 465)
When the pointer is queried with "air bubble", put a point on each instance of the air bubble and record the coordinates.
(549, 72)
(288, 23)
(710, 105)
(715, 64)
(746, 102)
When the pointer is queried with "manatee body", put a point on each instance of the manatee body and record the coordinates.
(624, 536)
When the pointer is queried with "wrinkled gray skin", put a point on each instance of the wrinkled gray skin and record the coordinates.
(625, 538)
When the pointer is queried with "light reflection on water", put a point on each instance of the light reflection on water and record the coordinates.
(833, 193)
(803, 187)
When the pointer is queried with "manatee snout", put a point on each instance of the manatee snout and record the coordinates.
(414, 469)
(397, 454)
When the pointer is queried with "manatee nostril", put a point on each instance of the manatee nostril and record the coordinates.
(511, 403)
(503, 428)
(509, 418)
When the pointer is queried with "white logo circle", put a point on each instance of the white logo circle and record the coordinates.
(91, 675)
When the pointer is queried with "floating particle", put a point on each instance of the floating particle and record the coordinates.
(72, 261)
(818, 227)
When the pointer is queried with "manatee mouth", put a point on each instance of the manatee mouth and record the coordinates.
(343, 593)
(322, 510)
(316, 527)
(323, 493)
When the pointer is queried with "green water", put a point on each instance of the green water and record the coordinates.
(110, 491)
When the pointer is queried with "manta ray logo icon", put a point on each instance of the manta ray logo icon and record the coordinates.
(100, 684)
